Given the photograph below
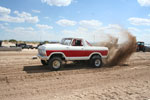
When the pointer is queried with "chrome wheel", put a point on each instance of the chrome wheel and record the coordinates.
(97, 62)
(56, 64)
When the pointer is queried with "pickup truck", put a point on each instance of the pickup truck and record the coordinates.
(71, 49)
(24, 46)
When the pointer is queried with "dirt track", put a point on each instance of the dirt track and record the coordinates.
(22, 78)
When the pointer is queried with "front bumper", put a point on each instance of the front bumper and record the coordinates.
(43, 57)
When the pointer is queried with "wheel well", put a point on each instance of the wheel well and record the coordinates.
(95, 55)
(57, 55)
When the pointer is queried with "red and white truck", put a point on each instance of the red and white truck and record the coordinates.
(71, 49)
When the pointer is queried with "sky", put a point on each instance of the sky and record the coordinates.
(40, 20)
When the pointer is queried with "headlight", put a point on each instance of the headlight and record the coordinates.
(42, 52)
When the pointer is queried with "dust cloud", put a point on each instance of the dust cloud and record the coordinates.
(119, 52)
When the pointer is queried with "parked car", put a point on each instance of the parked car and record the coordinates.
(24, 46)
(140, 46)
(71, 49)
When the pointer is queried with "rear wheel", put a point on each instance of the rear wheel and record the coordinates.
(55, 63)
(144, 49)
(96, 61)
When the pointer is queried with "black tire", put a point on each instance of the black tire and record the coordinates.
(55, 63)
(137, 50)
(144, 49)
(44, 62)
(96, 61)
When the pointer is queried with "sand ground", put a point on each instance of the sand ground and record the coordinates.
(22, 78)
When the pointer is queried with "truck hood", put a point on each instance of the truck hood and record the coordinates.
(52, 46)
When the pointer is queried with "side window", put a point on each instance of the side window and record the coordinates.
(67, 42)
(77, 42)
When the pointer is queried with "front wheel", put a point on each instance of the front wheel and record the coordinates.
(55, 63)
(96, 61)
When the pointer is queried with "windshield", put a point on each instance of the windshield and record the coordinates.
(88, 43)
(66, 41)
(140, 43)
